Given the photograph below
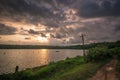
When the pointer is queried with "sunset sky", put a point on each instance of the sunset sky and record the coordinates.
(56, 22)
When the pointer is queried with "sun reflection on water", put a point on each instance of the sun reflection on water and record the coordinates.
(44, 56)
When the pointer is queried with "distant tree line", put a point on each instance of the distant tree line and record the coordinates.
(86, 46)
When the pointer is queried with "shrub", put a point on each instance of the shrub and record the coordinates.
(102, 53)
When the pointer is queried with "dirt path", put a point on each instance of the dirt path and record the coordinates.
(107, 72)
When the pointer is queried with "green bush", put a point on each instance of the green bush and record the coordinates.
(102, 53)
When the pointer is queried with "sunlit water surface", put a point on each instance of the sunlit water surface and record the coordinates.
(29, 58)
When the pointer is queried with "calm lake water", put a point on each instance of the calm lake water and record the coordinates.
(28, 58)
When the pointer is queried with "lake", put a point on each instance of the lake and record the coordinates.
(29, 58)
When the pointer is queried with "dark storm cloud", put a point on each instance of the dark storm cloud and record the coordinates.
(55, 13)
(27, 38)
(89, 9)
(21, 7)
(34, 32)
(103, 30)
(31, 12)
(51, 23)
(43, 35)
(59, 35)
(42, 11)
(92, 8)
(62, 32)
(117, 28)
(7, 30)
(52, 35)
(31, 31)
(67, 2)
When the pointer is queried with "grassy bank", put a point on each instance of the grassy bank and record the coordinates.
(69, 69)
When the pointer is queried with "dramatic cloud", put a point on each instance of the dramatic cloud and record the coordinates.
(43, 35)
(97, 8)
(117, 28)
(33, 32)
(22, 6)
(7, 30)
(61, 20)
(27, 38)
(31, 12)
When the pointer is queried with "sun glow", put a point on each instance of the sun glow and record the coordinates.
(43, 40)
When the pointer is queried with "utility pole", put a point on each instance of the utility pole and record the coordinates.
(83, 44)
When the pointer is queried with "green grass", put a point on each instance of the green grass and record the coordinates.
(80, 72)
(69, 69)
